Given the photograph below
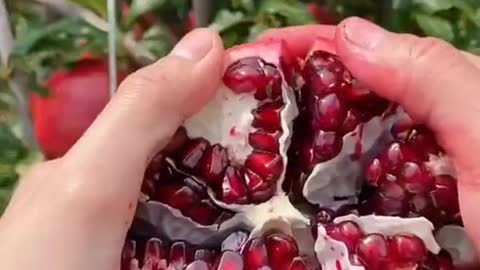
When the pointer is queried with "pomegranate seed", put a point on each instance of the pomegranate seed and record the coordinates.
(420, 205)
(281, 249)
(155, 254)
(415, 179)
(407, 249)
(325, 216)
(260, 190)
(323, 73)
(177, 141)
(347, 232)
(389, 207)
(445, 197)
(158, 172)
(299, 263)
(128, 254)
(255, 254)
(326, 145)
(177, 196)
(393, 157)
(234, 190)
(268, 116)
(352, 120)
(197, 265)
(266, 165)
(213, 165)
(246, 75)
(204, 255)
(392, 190)
(328, 113)
(178, 256)
(307, 158)
(265, 141)
(192, 153)
(204, 213)
(423, 141)
(372, 250)
(375, 173)
(274, 88)
(230, 260)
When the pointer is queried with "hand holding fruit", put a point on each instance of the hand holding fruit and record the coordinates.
(73, 213)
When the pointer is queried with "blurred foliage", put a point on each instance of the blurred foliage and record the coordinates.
(47, 40)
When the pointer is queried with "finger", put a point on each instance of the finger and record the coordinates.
(300, 38)
(474, 59)
(434, 82)
(110, 159)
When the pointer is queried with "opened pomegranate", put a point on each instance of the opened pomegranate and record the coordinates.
(406, 184)
(224, 171)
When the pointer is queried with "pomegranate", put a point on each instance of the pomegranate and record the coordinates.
(284, 133)
(406, 183)
(77, 97)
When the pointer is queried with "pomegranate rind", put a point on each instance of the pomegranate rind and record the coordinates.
(331, 253)
(164, 220)
(342, 176)
(455, 240)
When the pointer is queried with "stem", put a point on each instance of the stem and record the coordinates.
(18, 84)
(74, 10)
(203, 12)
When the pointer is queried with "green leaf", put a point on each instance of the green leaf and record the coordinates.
(97, 6)
(140, 7)
(12, 150)
(226, 19)
(292, 12)
(432, 6)
(435, 26)
(157, 41)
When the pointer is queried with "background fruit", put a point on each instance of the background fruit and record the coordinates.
(76, 97)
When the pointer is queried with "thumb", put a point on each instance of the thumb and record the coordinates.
(110, 159)
(436, 84)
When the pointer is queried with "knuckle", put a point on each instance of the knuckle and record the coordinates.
(428, 49)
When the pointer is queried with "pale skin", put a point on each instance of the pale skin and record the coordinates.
(73, 212)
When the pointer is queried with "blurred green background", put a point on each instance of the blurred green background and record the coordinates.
(55, 35)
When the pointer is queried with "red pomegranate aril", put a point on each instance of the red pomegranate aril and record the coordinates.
(328, 113)
(204, 255)
(326, 145)
(178, 256)
(265, 141)
(269, 166)
(347, 232)
(259, 189)
(407, 249)
(445, 195)
(155, 254)
(323, 73)
(281, 249)
(204, 213)
(213, 165)
(230, 260)
(372, 250)
(393, 157)
(177, 196)
(420, 205)
(415, 179)
(192, 153)
(177, 141)
(423, 141)
(268, 116)
(274, 88)
(352, 120)
(392, 190)
(255, 254)
(375, 173)
(197, 265)
(299, 263)
(234, 190)
(246, 75)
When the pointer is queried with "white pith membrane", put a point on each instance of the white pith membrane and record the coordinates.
(227, 120)
(331, 253)
(340, 177)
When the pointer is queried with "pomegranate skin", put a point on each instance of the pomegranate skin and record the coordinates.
(76, 98)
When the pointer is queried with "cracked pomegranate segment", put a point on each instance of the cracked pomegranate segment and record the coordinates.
(377, 251)
(165, 183)
(332, 104)
(404, 185)
(235, 145)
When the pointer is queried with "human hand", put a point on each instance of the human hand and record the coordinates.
(436, 83)
(74, 212)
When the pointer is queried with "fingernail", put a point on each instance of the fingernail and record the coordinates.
(363, 33)
(195, 45)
